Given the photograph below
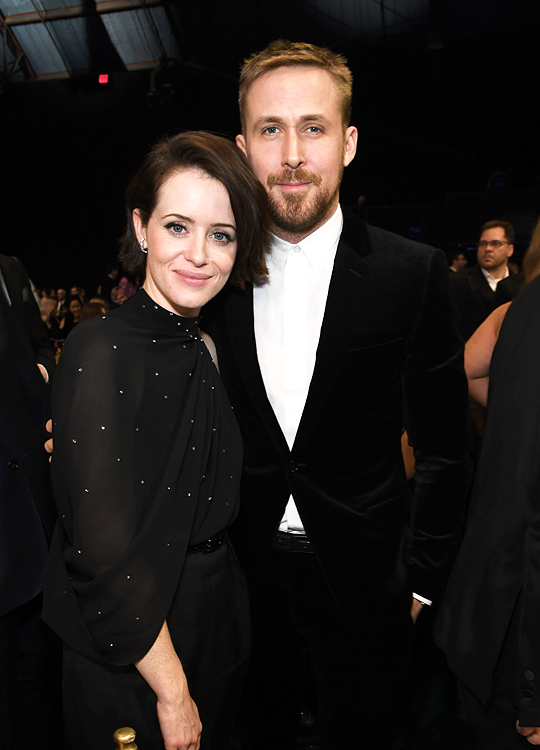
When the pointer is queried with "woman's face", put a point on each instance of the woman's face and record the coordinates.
(191, 240)
(75, 308)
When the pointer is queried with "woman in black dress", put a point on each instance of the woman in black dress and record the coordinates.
(142, 584)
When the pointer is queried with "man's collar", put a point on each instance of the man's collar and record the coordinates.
(315, 246)
(490, 277)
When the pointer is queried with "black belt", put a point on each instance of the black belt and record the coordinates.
(210, 545)
(293, 542)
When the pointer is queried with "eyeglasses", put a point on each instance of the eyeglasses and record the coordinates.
(495, 244)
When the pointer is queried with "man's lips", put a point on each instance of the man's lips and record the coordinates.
(293, 185)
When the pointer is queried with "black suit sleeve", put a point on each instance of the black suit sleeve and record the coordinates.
(436, 407)
(27, 313)
(508, 288)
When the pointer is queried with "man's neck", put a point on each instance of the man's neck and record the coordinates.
(497, 273)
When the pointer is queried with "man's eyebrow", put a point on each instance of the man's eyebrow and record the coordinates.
(277, 120)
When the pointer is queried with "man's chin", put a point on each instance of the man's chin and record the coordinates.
(298, 217)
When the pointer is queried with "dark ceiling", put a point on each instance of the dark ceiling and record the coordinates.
(444, 99)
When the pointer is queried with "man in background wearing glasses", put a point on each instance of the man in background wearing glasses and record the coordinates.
(482, 288)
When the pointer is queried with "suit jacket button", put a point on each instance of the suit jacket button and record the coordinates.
(293, 466)
(527, 693)
(13, 464)
(529, 675)
(526, 702)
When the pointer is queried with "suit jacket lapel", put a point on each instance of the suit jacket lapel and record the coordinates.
(479, 284)
(242, 332)
(346, 298)
(13, 291)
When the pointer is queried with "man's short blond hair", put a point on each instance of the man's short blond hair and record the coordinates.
(282, 53)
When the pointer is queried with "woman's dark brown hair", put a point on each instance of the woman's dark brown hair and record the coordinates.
(223, 161)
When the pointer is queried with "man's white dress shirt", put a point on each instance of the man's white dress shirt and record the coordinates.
(491, 280)
(288, 312)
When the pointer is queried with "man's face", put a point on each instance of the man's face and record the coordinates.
(493, 257)
(296, 143)
(460, 262)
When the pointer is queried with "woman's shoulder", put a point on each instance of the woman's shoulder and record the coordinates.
(96, 329)
(96, 337)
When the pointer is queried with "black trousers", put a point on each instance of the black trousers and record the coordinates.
(30, 674)
(493, 727)
(209, 626)
(360, 682)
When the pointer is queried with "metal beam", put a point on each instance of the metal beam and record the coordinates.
(20, 61)
(76, 11)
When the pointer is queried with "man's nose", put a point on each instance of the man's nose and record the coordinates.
(293, 156)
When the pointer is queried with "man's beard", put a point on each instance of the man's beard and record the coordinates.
(295, 212)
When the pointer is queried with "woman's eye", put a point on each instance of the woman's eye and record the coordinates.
(175, 227)
(222, 237)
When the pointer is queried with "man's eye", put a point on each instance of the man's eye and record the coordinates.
(314, 129)
(271, 129)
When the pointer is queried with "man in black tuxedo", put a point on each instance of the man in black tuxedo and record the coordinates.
(488, 623)
(27, 677)
(354, 328)
(482, 288)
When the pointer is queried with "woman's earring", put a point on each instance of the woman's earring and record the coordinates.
(141, 243)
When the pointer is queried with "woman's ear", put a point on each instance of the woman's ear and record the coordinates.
(140, 228)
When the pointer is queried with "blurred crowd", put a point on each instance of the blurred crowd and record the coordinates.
(61, 309)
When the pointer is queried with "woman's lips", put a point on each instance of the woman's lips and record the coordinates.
(193, 279)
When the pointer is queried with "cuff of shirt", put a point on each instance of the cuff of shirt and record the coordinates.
(46, 371)
(421, 599)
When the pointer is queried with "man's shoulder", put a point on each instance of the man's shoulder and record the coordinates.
(463, 277)
(380, 241)
(384, 241)
(13, 268)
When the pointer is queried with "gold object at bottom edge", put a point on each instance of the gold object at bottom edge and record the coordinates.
(125, 739)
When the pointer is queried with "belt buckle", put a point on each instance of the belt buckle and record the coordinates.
(212, 544)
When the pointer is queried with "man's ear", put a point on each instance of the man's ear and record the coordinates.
(510, 250)
(241, 143)
(351, 140)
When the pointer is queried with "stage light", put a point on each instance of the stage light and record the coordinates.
(103, 78)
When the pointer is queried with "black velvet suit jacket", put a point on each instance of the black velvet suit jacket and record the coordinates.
(388, 344)
(26, 507)
(475, 298)
(496, 578)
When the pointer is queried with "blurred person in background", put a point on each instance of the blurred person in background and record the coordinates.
(109, 282)
(30, 654)
(74, 305)
(488, 622)
(457, 260)
(479, 348)
(61, 303)
(479, 288)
